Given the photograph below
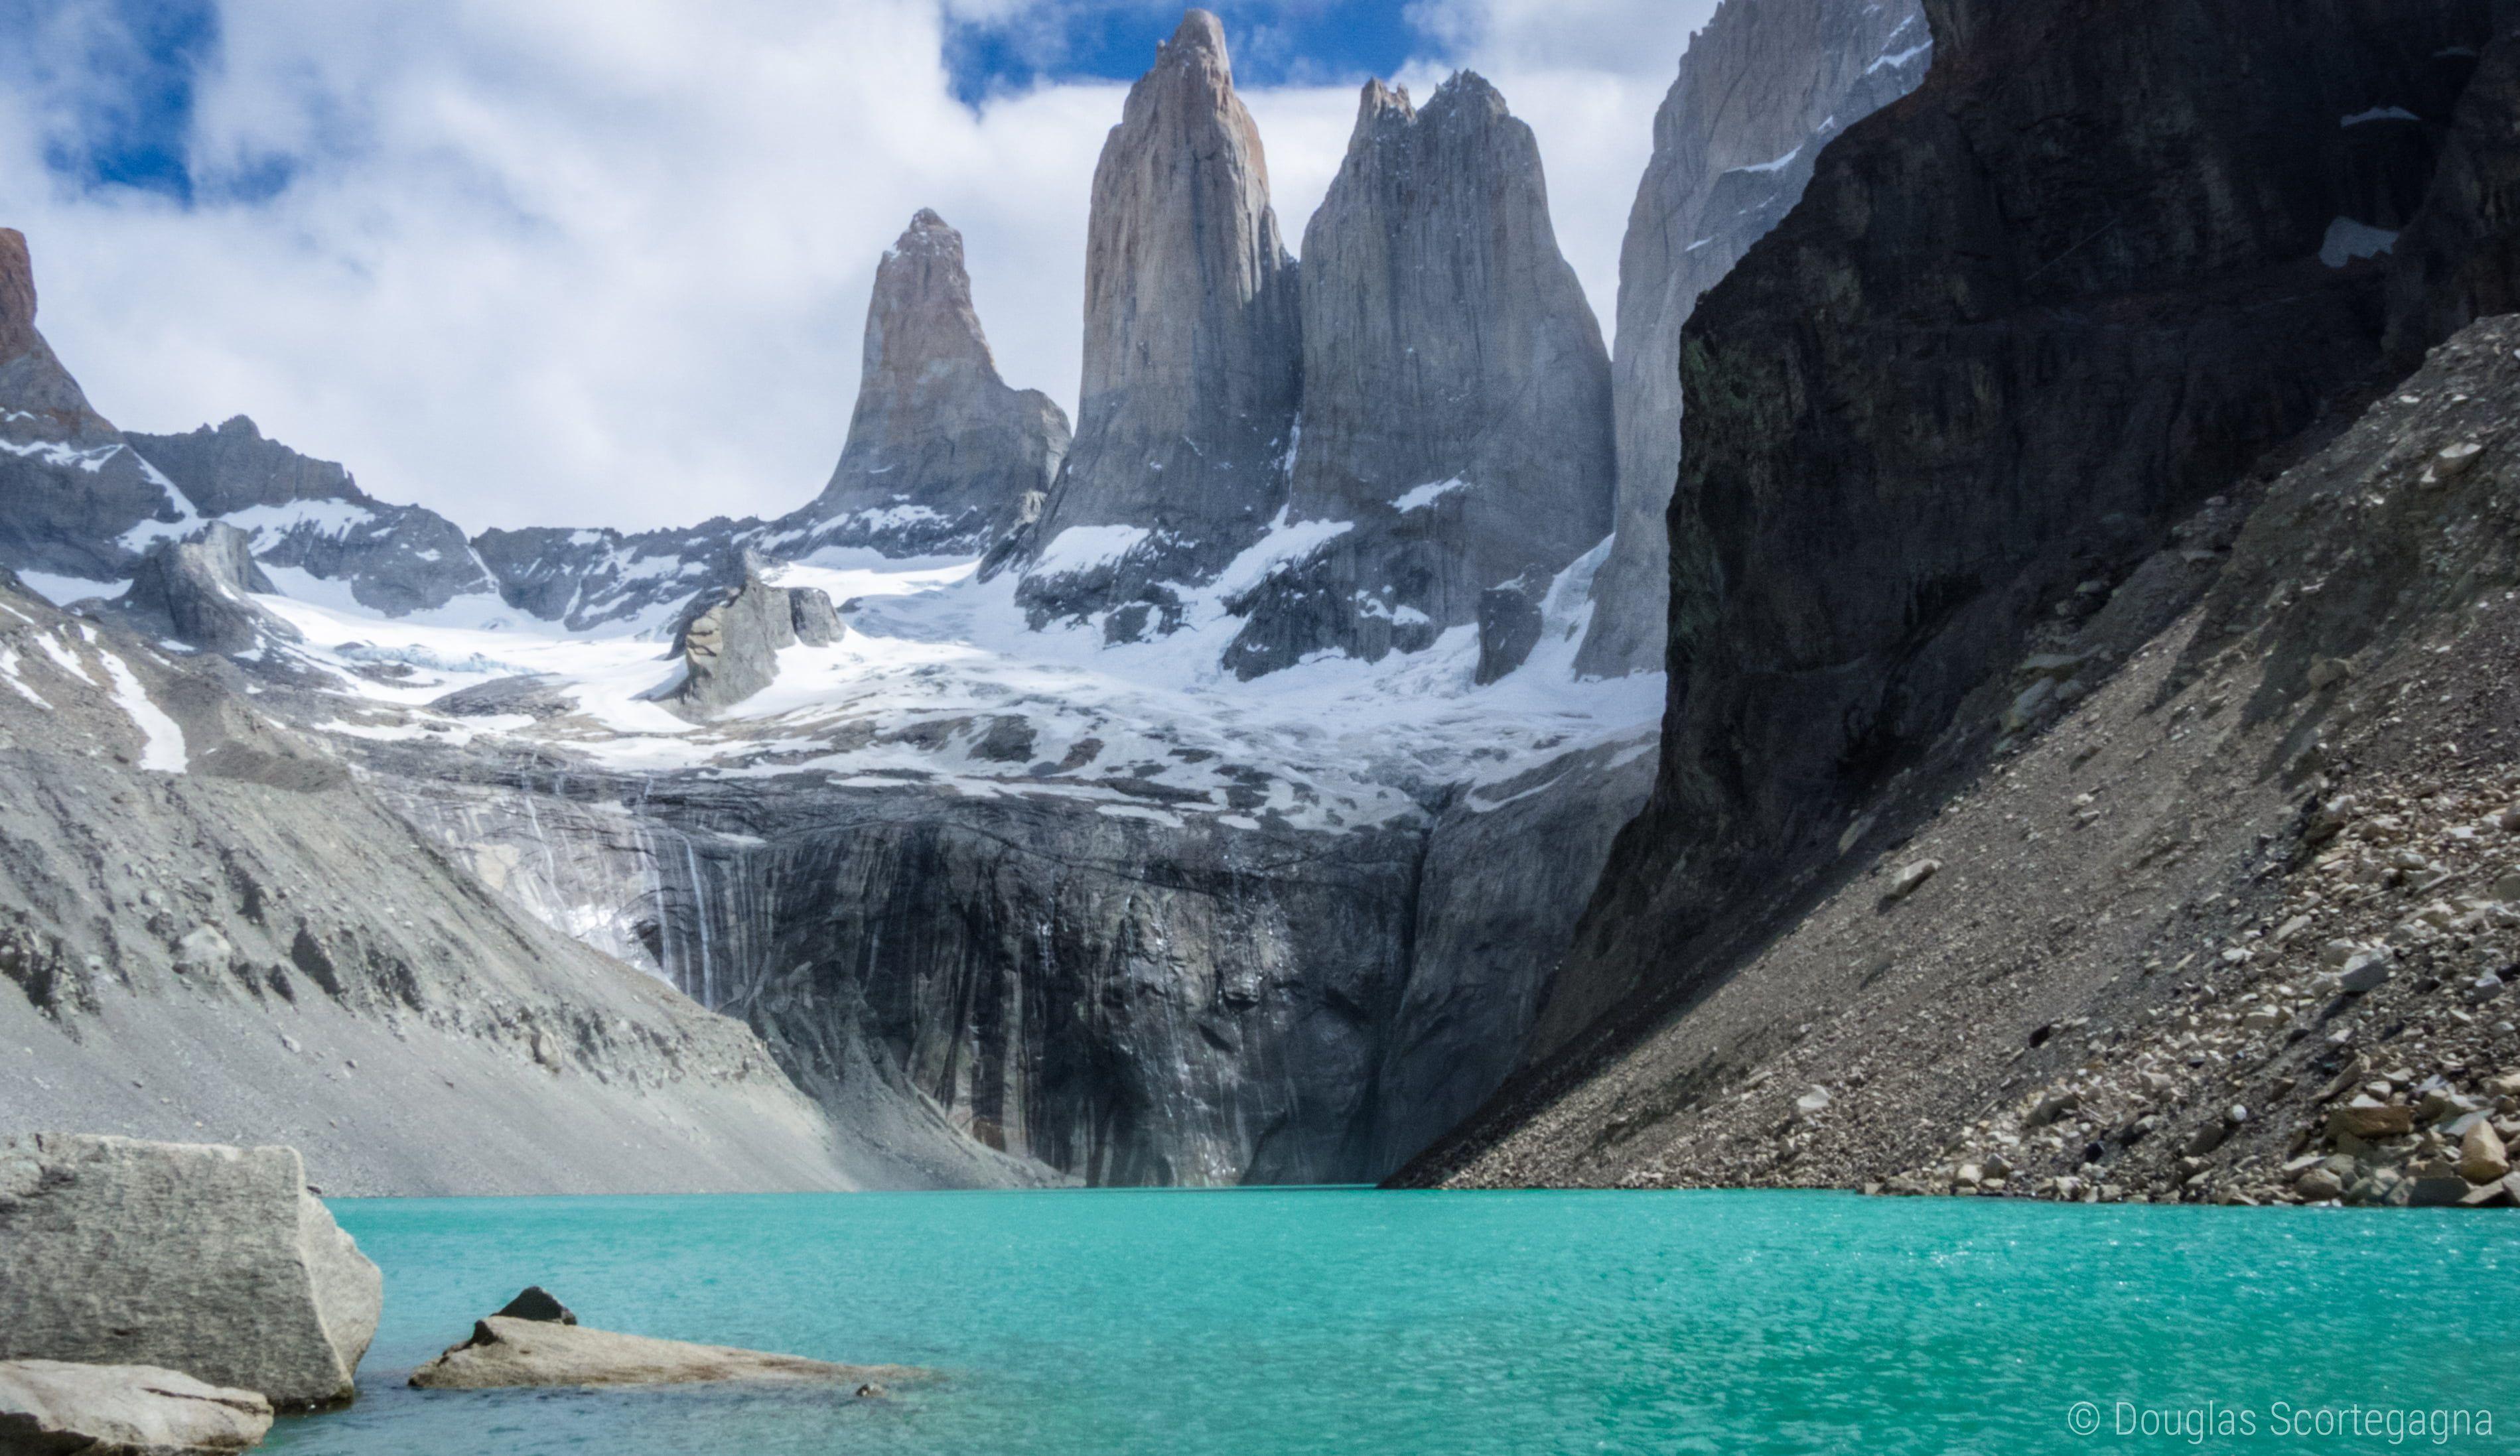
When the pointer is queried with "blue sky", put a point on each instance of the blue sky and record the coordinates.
(1280, 42)
(606, 261)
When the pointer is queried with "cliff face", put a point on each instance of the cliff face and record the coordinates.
(1761, 91)
(2146, 276)
(1193, 353)
(941, 454)
(1457, 397)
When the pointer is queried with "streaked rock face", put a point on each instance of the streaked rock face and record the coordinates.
(1763, 89)
(1192, 347)
(1457, 393)
(941, 453)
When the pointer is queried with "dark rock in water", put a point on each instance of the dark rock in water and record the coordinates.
(730, 642)
(537, 1302)
(75, 498)
(1510, 622)
(941, 453)
(1457, 393)
(1892, 469)
(310, 515)
(58, 1407)
(1763, 88)
(215, 1261)
(506, 1352)
(1193, 350)
(196, 592)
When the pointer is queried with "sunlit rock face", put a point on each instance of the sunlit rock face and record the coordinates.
(942, 455)
(1194, 354)
(1457, 393)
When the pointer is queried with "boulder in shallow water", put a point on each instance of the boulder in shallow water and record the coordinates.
(49, 1406)
(213, 1261)
(504, 1353)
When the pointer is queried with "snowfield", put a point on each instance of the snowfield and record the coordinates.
(938, 683)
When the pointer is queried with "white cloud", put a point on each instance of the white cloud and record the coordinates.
(606, 261)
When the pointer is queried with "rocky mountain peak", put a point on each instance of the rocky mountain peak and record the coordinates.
(1456, 392)
(1193, 350)
(942, 454)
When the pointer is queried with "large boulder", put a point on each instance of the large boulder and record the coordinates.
(213, 1261)
(53, 1407)
(506, 1352)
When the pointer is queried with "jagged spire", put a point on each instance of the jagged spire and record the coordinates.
(1193, 344)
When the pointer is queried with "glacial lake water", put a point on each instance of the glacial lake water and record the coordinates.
(1255, 1322)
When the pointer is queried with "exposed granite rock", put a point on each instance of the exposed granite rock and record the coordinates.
(1763, 89)
(49, 1406)
(1894, 469)
(941, 453)
(310, 515)
(1193, 352)
(504, 1354)
(591, 581)
(212, 1260)
(195, 591)
(1457, 393)
(731, 641)
(75, 499)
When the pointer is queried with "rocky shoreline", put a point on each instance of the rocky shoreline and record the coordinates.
(170, 1299)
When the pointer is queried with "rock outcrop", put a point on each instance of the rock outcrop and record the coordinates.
(1763, 88)
(941, 453)
(731, 641)
(196, 592)
(606, 580)
(1456, 392)
(1192, 354)
(49, 1406)
(505, 1354)
(75, 499)
(307, 514)
(212, 1260)
(1893, 470)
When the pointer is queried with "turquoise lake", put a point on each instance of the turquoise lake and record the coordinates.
(1331, 1321)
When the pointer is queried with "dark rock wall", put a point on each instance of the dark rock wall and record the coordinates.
(1893, 467)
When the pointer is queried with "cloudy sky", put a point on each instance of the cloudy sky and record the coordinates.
(606, 261)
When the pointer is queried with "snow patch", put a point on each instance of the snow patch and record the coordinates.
(1420, 497)
(161, 749)
(2348, 239)
(1082, 549)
